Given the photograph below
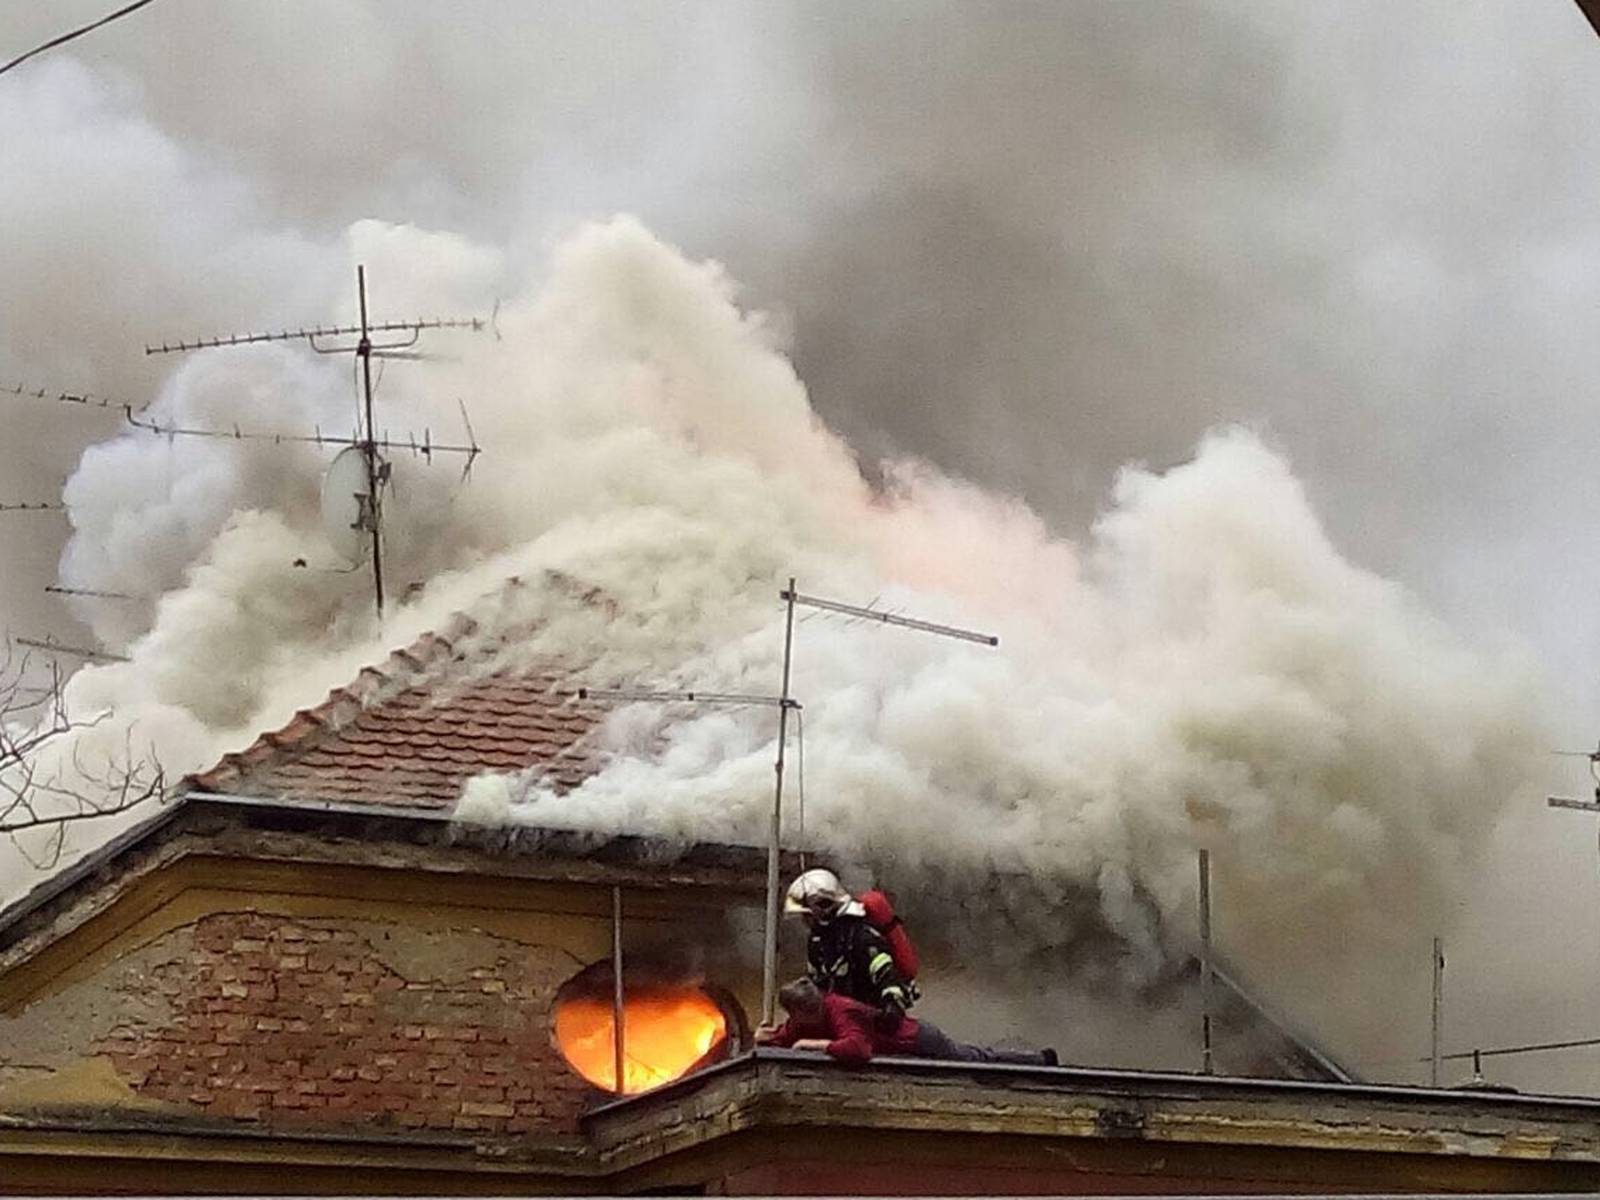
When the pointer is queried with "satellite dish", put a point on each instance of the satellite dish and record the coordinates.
(346, 510)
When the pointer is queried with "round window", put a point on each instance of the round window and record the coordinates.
(667, 1030)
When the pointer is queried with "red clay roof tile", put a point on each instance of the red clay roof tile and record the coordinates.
(413, 731)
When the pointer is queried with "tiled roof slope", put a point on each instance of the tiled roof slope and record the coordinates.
(414, 730)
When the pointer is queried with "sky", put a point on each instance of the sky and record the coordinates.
(1030, 243)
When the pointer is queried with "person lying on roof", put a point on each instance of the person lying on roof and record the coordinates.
(850, 1031)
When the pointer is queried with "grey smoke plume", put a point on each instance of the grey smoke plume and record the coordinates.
(1206, 670)
(1028, 244)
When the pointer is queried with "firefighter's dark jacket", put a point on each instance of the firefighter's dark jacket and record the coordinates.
(848, 956)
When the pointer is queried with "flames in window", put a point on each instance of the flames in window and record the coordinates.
(667, 1029)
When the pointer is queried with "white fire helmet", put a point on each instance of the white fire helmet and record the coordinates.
(819, 892)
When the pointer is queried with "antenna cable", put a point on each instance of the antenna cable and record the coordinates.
(76, 33)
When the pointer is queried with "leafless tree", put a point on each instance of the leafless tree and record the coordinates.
(47, 780)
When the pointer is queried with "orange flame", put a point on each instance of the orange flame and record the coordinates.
(664, 1033)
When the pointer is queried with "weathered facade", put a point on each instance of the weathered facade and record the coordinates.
(246, 974)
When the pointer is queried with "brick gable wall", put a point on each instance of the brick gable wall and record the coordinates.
(279, 1020)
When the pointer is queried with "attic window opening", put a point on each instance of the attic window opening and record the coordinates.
(668, 1029)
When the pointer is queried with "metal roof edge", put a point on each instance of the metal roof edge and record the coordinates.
(1082, 1076)
(313, 804)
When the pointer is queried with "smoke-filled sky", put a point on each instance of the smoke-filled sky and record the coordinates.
(1026, 243)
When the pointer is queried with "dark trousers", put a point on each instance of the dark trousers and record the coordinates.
(933, 1042)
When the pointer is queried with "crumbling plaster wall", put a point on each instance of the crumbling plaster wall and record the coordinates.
(277, 1019)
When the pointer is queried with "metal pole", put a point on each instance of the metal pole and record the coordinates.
(369, 446)
(769, 957)
(1438, 995)
(617, 1007)
(1205, 961)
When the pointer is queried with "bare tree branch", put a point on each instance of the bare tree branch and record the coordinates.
(50, 778)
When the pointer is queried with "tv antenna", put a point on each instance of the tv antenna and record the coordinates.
(81, 399)
(55, 647)
(1588, 806)
(33, 506)
(791, 598)
(424, 448)
(785, 704)
(365, 507)
(91, 593)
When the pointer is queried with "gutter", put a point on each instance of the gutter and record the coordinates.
(343, 808)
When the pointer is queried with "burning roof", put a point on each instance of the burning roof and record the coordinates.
(411, 731)
(403, 737)
(365, 781)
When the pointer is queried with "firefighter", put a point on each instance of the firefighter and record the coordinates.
(848, 1030)
(845, 954)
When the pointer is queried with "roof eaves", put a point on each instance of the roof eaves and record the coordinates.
(87, 866)
(640, 858)
(1177, 1084)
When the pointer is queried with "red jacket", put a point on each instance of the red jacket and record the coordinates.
(851, 1029)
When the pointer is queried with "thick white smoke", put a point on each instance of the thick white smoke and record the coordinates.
(1206, 670)
(1027, 246)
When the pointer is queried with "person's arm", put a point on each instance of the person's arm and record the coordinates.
(893, 996)
(784, 1036)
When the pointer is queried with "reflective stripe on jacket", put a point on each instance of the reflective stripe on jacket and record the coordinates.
(848, 956)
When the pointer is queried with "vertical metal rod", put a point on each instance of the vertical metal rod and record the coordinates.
(369, 447)
(800, 792)
(617, 1005)
(1205, 962)
(769, 956)
(1438, 995)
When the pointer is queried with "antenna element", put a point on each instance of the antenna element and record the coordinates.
(325, 340)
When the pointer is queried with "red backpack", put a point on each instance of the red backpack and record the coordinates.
(881, 916)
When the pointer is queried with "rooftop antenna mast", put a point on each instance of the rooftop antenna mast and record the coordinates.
(133, 414)
(791, 598)
(334, 340)
(368, 450)
(785, 704)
